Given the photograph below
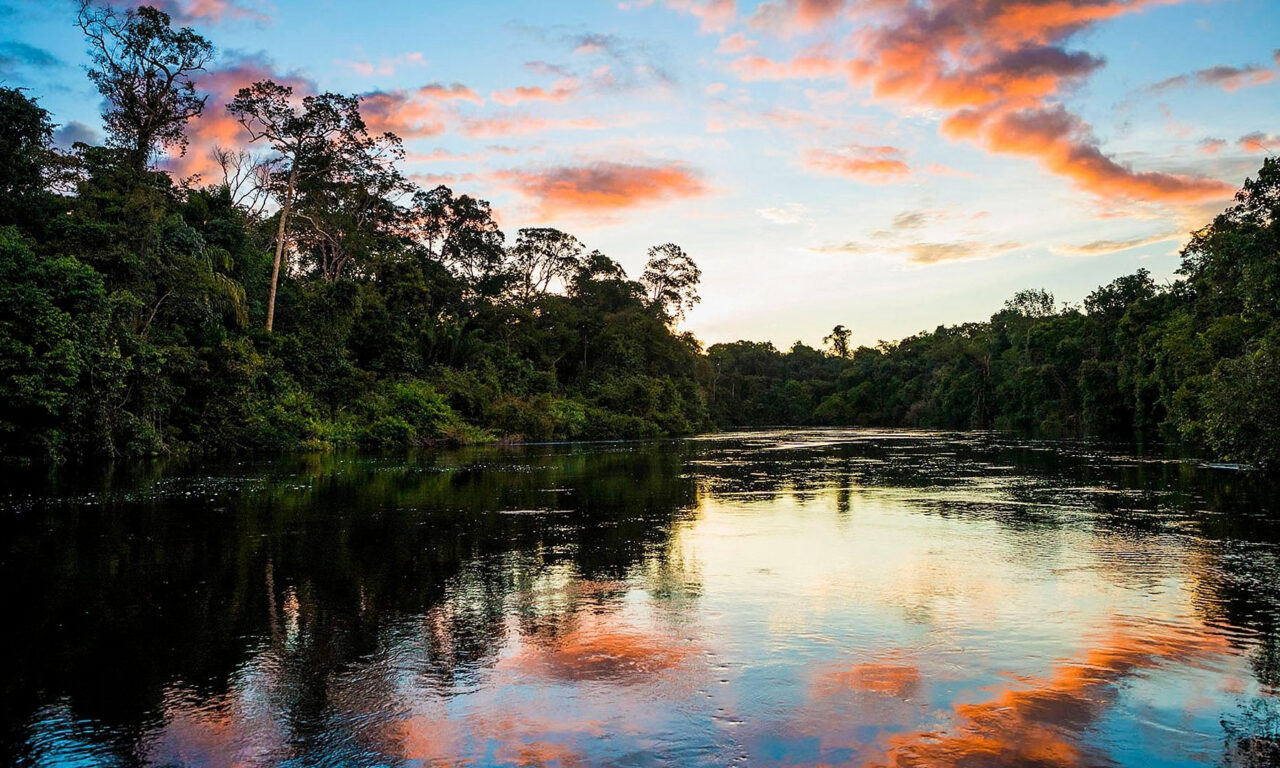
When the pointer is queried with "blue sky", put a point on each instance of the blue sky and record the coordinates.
(886, 165)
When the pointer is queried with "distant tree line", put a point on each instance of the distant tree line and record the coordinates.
(1195, 361)
(313, 297)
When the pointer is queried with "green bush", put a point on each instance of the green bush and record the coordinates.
(390, 432)
(53, 327)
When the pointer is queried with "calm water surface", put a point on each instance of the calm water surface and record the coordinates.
(797, 598)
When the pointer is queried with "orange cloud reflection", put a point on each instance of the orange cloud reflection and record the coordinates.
(898, 680)
(1042, 722)
(603, 649)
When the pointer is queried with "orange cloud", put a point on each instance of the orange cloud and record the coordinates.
(423, 112)
(997, 67)
(1103, 247)
(925, 253)
(968, 250)
(598, 652)
(605, 187)
(901, 681)
(453, 92)
(1258, 142)
(1062, 144)
(1024, 77)
(1212, 146)
(863, 163)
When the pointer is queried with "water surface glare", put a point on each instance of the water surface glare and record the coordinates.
(789, 597)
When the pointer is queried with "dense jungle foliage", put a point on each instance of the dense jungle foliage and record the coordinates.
(313, 298)
(134, 308)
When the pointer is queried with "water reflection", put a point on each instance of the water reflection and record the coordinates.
(1049, 721)
(791, 598)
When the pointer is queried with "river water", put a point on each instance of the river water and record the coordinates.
(790, 597)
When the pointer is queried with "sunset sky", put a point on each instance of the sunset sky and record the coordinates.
(883, 164)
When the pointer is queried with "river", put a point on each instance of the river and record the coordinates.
(786, 597)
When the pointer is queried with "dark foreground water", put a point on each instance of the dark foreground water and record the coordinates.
(797, 598)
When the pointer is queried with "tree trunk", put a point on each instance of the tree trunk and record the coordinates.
(275, 269)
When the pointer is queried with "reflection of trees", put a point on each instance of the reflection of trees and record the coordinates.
(323, 559)
(1253, 735)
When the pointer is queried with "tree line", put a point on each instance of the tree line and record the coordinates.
(313, 297)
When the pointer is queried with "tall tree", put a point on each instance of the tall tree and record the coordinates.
(1033, 303)
(838, 341)
(671, 279)
(143, 68)
(349, 213)
(542, 256)
(461, 232)
(311, 139)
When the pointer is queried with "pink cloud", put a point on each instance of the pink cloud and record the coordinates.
(387, 66)
(209, 11)
(790, 17)
(735, 44)
(215, 127)
(1212, 146)
(938, 169)
(1227, 78)
(715, 15)
(520, 125)
(423, 112)
(807, 66)
(870, 164)
(562, 90)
